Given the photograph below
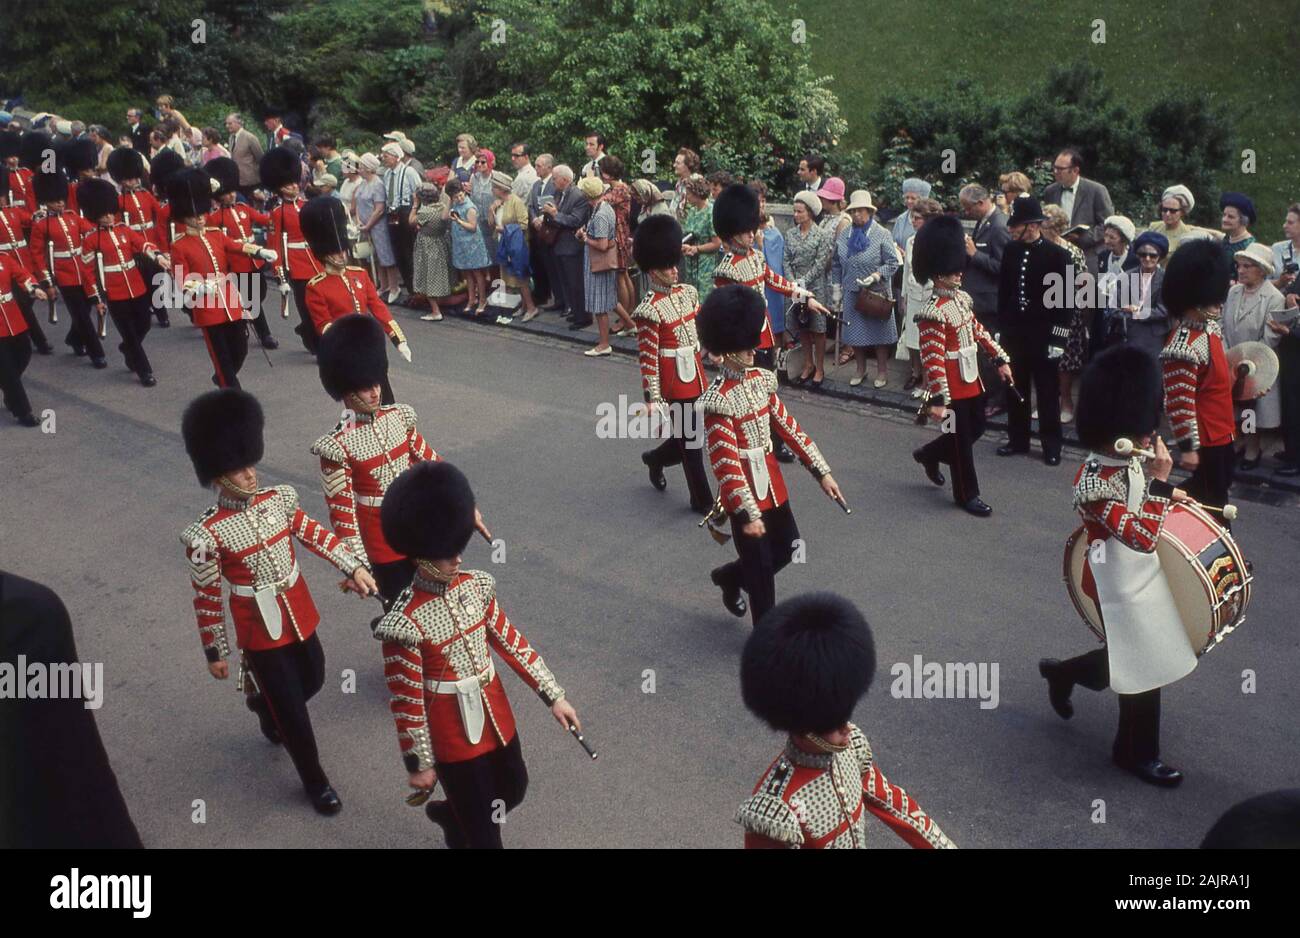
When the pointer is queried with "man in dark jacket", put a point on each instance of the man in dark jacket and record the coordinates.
(569, 212)
(984, 248)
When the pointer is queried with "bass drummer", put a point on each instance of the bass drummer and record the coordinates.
(1123, 512)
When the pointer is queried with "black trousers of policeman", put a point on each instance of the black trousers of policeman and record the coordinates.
(1033, 369)
(15, 355)
(759, 559)
(677, 451)
(227, 347)
(955, 449)
(131, 317)
(1138, 738)
(287, 677)
(480, 791)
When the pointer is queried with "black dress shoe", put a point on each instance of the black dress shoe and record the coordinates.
(1053, 460)
(1009, 450)
(579, 324)
(148, 380)
(99, 362)
(816, 385)
(440, 813)
(1249, 465)
(977, 508)
(164, 322)
(1287, 471)
(731, 597)
(270, 342)
(931, 467)
(782, 452)
(1153, 772)
(656, 472)
(327, 801)
(29, 420)
(79, 352)
(1058, 687)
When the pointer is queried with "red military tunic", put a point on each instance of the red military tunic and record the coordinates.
(140, 212)
(751, 270)
(108, 262)
(237, 222)
(206, 258)
(15, 221)
(813, 800)
(740, 412)
(56, 239)
(287, 239)
(668, 345)
(21, 191)
(332, 295)
(359, 459)
(948, 331)
(13, 276)
(447, 699)
(1198, 387)
(251, 545)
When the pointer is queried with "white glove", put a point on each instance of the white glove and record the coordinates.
(266, 254)
(284, 288)
(868, 281)
(404, 350)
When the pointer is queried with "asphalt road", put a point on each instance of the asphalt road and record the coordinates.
(608, 579)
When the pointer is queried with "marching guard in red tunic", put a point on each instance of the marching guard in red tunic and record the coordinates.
(56, 261)
(1197, 380)
(281, 171)
(247, 538)
(20, 192)
(951, 338)
(15, 230)
(1123, 513)
(237, 219)
(110, 276)
(370, 447)
(671, 369)
(201, 267)
(79, 157)
(15, 344)
(741, 411)
(803, 670)
(142, 213)
(454, 722)
(164, 165)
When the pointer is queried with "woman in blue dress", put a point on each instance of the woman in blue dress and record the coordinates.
(468, 252)
(865, 258)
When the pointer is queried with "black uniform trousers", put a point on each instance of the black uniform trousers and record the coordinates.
(392, 578)
(227, 347)
(1032, 368)
(955, 449)
(28, 306)
(257, 305)
(403, 238)
(541, 270)
(305, 330)
(676, 451)
(570, 267)
(131, 317)
(480, 791)
(1212, 478)
(83, 331)
(15, 355)
(759, 559)
(1138, 738)
(150, 270)
(287, 677)
(996, 394)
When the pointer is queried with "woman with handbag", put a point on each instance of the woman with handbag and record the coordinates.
(807, 261)
(862, 268)
(600, 262)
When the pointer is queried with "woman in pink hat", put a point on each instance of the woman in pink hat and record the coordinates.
(832, 220)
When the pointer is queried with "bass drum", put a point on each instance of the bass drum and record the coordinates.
(789, 362)
(1205, 569)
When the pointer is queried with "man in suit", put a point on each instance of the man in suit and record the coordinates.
(246, 151)
(1085, 202)
(548, 289)
(138, 130)
(984, 247)
(569, 212)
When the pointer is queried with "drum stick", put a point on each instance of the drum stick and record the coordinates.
(418, 797)
(845, 505)
(1020, 398)
(1124, 447)
(581, 741)
(1229, 512)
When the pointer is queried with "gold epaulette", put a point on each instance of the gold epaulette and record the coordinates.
(316, 279)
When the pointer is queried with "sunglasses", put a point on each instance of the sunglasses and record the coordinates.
(480, 161)
(1169, 211)
(1147, 254)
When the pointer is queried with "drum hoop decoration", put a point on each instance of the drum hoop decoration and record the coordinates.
(1073, 591)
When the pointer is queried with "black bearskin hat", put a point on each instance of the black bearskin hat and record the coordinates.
(324, 223)
(1199, 273)
(735, 211)
(32, 148)
(807, 664)
(80, 155)
(731, 319)
(10, 142)
(352, 355)
(96, 198)
(125, 163)
(189, 193)
(50, 187)
(939, 248)
(222, 432)
(279, 167)
(428, 512)
(162, 167)
(225, 171)
(1121, 394)
(657, 244)
(1266, 822)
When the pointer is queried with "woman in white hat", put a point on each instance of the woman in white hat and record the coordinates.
(865, 258)
(1252, 302)
(1176, 203)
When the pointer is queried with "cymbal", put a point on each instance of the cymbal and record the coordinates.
(1254, 369)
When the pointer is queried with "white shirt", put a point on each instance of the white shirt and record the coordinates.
(1067, 199)
(524, 180)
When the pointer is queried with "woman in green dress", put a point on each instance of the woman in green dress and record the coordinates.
(700, 253)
